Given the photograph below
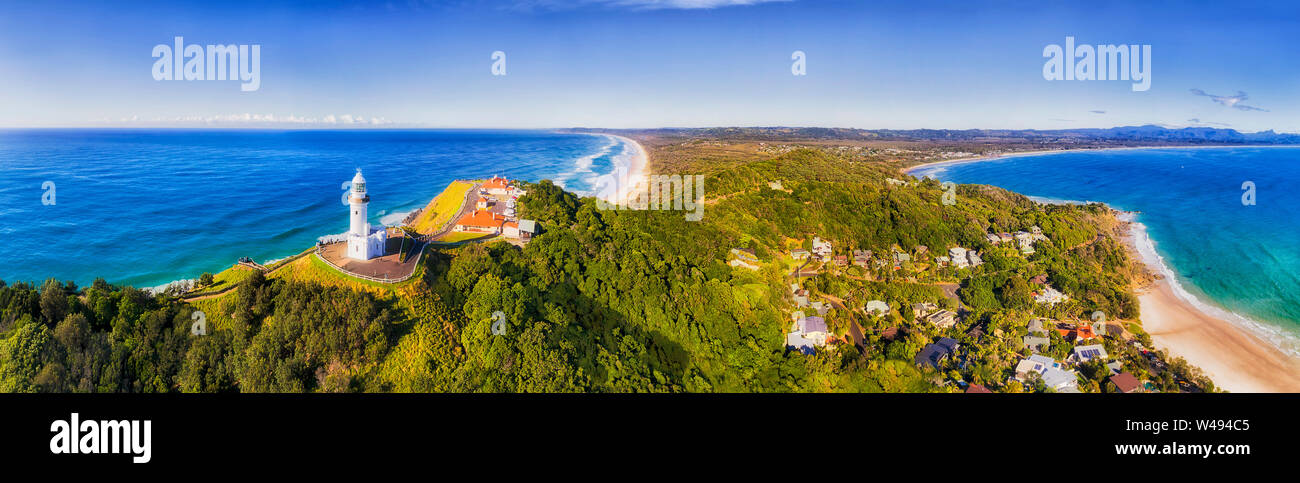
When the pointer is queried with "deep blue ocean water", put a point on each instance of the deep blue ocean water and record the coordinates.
(147, 207)
(1244, 259)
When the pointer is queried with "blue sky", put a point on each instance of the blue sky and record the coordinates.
(647, 63)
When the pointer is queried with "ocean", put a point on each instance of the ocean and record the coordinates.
(148, 207)
(1225, 254)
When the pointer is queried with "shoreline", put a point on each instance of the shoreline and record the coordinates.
(1236, 358)
(627, 172)
(1045, 152)
(633, 170)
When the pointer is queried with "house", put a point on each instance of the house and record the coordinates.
(993, 239)
(521, 230)
(480, 221)
(1126, 383)
(958, 257)
(1050, 296)
(1078, 333)
(1037, 339)
(978, 389)
(942, 319)
(921, 250)
(942, 261)
(799, 254)
(1036, 343)
(1026, 241)
(1050, 371)
(1039, 280)
(821, 248)
(900, 257)
(484, 203)
(862, 258)
(527, 228)
(877, 307)
(497, 186)
(935, 353)
(841, 260)
(896, 182)
(1061, 380)
(924, 308)
(776, 185)
(973, 259)
(1088, 353)
(1034, 364)
(809, 333)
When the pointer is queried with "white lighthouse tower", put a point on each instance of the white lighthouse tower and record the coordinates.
(364, 242)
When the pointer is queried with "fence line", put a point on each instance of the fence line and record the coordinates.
(414, 266)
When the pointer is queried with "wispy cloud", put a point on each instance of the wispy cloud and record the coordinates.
(1198, 122)
(1095, 111)
(635, 4)
(1229, 101)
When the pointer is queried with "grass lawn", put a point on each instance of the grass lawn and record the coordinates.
(464, 236)
(442, 207)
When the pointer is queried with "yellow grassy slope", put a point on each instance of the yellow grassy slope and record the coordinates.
(442, 207)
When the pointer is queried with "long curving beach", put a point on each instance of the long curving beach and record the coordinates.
(1235, 358)
(628, 172)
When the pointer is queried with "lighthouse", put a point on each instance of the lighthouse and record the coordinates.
(364, 242)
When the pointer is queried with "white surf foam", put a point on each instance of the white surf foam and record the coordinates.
(1285, 341)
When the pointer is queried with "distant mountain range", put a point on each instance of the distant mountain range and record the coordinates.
(1140, 134)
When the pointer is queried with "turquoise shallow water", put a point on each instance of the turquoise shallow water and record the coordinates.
(147, 207)
(1244, 259)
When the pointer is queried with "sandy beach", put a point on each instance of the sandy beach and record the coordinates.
(629, 171)
(1234, 357)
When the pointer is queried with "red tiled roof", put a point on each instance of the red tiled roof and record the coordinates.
(480, 218)
(1125, 382)
(978, 389)
(496, 182)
